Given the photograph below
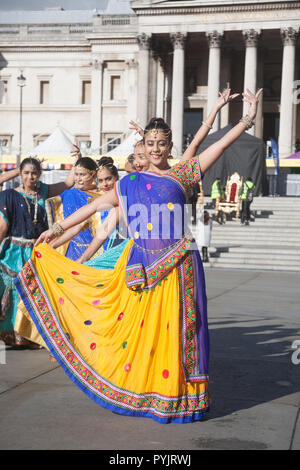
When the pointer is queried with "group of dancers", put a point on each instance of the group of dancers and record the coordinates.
(122, 310)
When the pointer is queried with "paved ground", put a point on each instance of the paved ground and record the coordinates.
(254, 320)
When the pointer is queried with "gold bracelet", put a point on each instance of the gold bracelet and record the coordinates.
(247, 121)
(57, 229)
(207, 125)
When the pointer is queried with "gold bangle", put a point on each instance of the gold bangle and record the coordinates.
(207, 125)
(247, 121)
(57, 229)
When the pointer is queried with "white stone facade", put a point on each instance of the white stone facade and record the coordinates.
(91, 72)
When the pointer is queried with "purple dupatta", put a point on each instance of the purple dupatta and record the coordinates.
(154, 210)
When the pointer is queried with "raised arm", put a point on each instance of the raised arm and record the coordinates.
(212, 153)
(3, 229)
(103, 232)
(57, 188)
(137, 128)
(106, 201)
(9, 175)
(224, 98)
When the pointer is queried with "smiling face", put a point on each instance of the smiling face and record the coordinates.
(29, 176)
(84, 179)
(140, 161)
(106, 180)
(157, 149)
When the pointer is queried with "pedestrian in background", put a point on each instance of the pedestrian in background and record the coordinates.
(203, 234)
(247, 198)
(217, 191)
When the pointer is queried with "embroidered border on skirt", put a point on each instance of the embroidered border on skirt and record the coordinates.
(164, 409)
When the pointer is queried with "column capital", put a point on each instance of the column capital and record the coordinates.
(131, 63)
(178, 40)
(214, 39)
(143, 40)
(251, 37)
(96, 64)
(289, 36)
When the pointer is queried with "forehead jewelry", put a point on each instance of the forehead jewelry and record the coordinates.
(102, 167)
(154, 132)
(91, 172)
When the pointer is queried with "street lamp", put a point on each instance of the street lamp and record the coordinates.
(21, 83)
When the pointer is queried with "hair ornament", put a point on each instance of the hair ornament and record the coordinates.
(91, 172)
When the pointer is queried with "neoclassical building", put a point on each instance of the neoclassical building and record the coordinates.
(93, 71)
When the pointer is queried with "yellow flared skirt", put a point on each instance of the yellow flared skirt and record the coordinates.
(122, 348)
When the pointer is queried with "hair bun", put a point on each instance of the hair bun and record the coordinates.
(108, 163)
(105, 161)
(156, 121)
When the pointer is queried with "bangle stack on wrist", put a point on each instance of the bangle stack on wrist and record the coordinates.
(57, 229)
(207, 125)
(247, 121)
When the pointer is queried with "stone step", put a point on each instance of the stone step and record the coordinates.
(247, 239)
(240, 242)
(271, 242)
(283, 221)
(254, 243)
(260, 267)
(253, 228)
(270, 250)
(260, 224)
(270, 201)
(257, 259)
(288, 257)
(263, 236)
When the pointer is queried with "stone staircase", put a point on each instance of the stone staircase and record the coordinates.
(271, 242)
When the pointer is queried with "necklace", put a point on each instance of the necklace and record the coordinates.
(35, 195)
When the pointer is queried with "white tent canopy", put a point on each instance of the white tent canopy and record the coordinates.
(57, 144)
(126, 147)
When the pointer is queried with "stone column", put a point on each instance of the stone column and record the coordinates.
(96, 104)
(178, 40)
(152, 83)
(225, 80)
(260, 83)
(214, 60)
(132, 111)
(168, 93)
(143, 78)
(289, 36)
(250, 74)
(160, 89)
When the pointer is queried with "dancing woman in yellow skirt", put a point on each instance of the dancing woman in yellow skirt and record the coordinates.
(134, 339)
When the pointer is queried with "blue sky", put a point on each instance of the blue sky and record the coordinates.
(42, 4)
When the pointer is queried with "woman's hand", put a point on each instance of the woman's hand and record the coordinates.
(252, 100)
(137, 128)
(75, 152)
(45, 237)
(224, 98)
